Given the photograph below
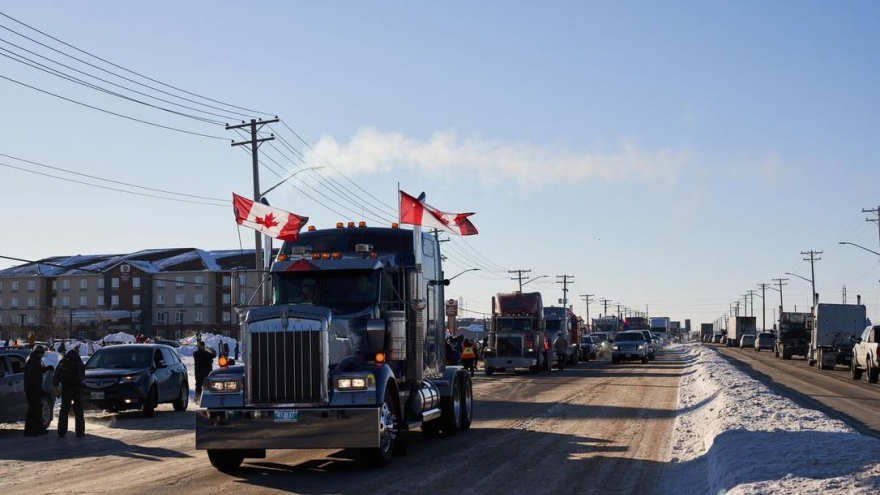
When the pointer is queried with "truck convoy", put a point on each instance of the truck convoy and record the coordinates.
(737, 326)
(794, 334)
(834, 334)
(516, 334)
(349, 355)
(561, 321)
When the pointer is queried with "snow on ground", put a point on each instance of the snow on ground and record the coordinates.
(741, 438)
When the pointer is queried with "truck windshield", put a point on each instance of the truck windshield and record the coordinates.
(340, 291)
(514, 325)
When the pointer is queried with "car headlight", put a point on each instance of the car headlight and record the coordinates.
(347, 383)
(224, 386)
(128, 379)
(641, 347)
(615, 347)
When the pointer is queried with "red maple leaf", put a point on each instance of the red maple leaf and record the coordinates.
(268, 221)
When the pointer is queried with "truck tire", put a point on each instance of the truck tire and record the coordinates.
(786, 353)
(854, 371)
(389, 432)
(821, 359)
(467, 402)
(226, 460)
(873, 372)
(450, 411)
(614, 359)
(488, 370)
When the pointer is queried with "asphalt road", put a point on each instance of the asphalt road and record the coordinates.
(593, 428)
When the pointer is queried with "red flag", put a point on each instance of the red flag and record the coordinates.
(415, 212)
(273, 222)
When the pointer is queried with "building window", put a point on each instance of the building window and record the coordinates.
(114, 283)
(178, 317)
(32, 285)
(65, 302)
(178, 281)
(83, 284)
(31, 302)
(100, 283)
(179, 299)
(198, 299)
(54, 302)
(199, 279)
(15, 286)
(197, 316)
(54, 286)
(83, 301)
(1, 286)
(160, 283)
(160, 299)
(114, 301)
(136, 282)
(65, 284)
(160, 317)
(31, 319)
(226, 317)
(136, 300)
(100, 301)
(226, 280)
(227, 298)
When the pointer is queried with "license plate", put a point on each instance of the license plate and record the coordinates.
(97, 395)
(287, 416)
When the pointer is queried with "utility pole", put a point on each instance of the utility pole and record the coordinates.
(586, 298)
(751, 294)
(566, 279)
(875, 220)
(763, 306)
(255, 126)
(519, 276)
(779, 281)
(605, 305)
(812, 259)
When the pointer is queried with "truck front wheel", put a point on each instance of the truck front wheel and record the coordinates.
(873, 372)
(450, 411)
(854, 371)
(389, 430)
(467, 402)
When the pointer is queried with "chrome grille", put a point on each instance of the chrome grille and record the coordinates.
(286, 367)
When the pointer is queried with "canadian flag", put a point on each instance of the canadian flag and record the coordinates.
(415, 212)
(273, 222)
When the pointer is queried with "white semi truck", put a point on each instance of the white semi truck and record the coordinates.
(834, 334)
(737, 326)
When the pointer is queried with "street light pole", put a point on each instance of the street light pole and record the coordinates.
(462, 273)
(531, 280)
(861, 247)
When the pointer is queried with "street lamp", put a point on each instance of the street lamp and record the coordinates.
(462, 273)
(862, 247)
(808, 280)
(530, 280)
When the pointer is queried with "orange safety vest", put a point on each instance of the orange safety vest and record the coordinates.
(468, 353)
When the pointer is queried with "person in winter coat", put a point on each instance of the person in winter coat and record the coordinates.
(33, 391)
(560, 346)
(203, 360)
(69, 375)
(468, 356)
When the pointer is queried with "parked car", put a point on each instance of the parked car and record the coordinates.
(587, 348)
(865, 355)
(765, 340)
(136, 376)
(13, 403)
(629, 345)
(747, 341)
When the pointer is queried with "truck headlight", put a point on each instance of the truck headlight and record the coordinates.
(224, 386)
(346, 383)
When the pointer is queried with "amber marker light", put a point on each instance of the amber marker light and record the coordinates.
(223, 361)
(380, 357)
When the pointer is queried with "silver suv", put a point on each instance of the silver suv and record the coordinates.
(652, 347)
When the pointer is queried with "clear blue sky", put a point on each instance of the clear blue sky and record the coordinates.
(667, 156)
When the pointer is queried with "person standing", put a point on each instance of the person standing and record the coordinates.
(203, 361)
(33, 391)
(236, 350)
(70, 375)
(560, 345)
(468, 355)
